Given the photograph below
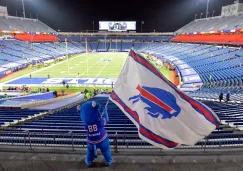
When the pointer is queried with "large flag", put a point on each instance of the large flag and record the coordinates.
(164, 116)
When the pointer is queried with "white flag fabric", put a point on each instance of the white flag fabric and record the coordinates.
(164, 116)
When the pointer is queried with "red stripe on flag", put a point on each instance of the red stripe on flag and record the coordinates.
(157, 138)
(154, 99)
(144, 62)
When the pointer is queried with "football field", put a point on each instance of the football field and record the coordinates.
(90, 65)
(101, 68)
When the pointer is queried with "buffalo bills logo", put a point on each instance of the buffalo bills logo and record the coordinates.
(158, 101)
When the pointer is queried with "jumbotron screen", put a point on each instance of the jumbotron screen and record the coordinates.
(117, 25)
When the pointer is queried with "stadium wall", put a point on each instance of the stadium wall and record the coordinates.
(42, 96)
(8, 71)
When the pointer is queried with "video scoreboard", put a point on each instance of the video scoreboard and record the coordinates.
(117, 25)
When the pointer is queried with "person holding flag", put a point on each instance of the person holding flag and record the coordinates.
(97, 137)
(164, 116)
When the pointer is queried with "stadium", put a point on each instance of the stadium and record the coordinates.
(45, 73)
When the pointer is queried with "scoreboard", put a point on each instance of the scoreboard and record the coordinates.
(3, 11)
(117, 25)
(233, 9)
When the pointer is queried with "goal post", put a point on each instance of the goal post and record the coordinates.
(66, 42)
(86, 45)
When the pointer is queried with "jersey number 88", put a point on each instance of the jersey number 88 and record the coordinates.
(92, 128)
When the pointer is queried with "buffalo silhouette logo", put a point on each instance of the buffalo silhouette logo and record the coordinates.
(158, 102)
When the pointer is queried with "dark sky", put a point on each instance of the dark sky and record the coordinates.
(77, 15)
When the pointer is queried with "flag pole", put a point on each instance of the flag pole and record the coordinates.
(107, 102)
(105, 107)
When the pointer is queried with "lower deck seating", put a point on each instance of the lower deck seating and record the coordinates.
(229, 113)
(8, 116)
(66, 128)
(212, 93)
(15, 53)
(219, 69)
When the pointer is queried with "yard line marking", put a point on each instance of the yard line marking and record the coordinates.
(105, 66)
(101, 70)
(63, 72)
(42, 69)
(71, 68)
(90, 67)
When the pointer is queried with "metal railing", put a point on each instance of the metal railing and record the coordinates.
(117, 141)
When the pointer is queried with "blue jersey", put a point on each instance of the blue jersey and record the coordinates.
(96, 131)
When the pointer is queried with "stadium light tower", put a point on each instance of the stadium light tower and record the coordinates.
(142, 23)
(207, 9)
(93, 26)
(23, 8)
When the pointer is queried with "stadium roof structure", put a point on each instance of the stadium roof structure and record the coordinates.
(18, 24)
(219, 23)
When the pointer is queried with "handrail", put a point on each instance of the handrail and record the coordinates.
(118, 141)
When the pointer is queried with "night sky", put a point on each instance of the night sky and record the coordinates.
(78, 15)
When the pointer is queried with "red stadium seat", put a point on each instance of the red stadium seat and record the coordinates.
(37, 38)
(224, 38)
